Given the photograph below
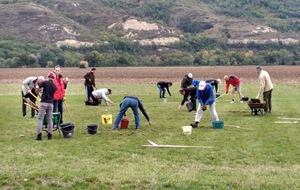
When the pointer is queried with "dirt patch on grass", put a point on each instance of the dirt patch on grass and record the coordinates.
(126, 75)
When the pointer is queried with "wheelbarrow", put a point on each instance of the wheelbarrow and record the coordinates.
(256, 106)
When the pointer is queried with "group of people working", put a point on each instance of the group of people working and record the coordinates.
(51, 92)
(203, 92)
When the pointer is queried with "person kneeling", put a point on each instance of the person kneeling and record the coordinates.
(98, 95)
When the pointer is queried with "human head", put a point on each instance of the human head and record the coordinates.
(258, 69)
(51, 75)
(93, 69)
(202, 85)
(109, 91)
(57, 69)
(40, 79)
(218, 80)
(182, 91)
(190, 75)
(226, 77)
(170, 83)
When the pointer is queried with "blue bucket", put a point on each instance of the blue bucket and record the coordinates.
(218, 124)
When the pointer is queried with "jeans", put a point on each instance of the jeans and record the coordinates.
(58, 107)
(133, 104)
(45, 108)
(161, 91)
(88, 92)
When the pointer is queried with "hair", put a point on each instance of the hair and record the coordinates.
(109, 90)
(93, 69)
(170, 83)
(258, 68)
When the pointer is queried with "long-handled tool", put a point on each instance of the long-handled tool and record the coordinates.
(31, 106)
(37, 98)
(223, 94)
(68, 109)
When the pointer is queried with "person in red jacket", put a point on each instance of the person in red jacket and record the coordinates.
(58, 97)
(236, 83)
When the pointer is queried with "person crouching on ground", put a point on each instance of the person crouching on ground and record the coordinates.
(134, 103)
(162, 86)
(46, 106)
(205, 96)
(188, 92)
(98, 96)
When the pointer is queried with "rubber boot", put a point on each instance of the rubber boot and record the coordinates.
(39, 137)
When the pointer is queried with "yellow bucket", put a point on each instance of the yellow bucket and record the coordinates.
(106, 119)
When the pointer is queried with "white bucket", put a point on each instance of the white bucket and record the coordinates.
(165, 100)
(187, 130)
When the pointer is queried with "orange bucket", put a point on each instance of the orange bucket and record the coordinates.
(124, 123)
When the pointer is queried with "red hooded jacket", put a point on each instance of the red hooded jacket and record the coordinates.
(60, 87)
(233, 80)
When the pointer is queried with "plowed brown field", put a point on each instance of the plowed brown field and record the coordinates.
(125, 75)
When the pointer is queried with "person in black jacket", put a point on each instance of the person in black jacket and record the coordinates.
(162, 86)
(215, 84)
(188, 92)
(134, 103)
(187, 81)
(89, 83)
(46, 106)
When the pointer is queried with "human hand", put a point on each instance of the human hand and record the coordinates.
(179, 107)
(150, 123)
(226, 92)
(203, 107)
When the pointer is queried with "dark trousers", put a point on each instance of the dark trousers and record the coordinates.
(88, 92)
(31, 98)
(95, 101)
(58, 107)
(267, 96)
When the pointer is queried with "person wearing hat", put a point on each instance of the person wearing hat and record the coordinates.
(236, 83)
(266, 87)
(98, 96)
(214, 83)
(89, 83)
(205, 96)
(29, 91)
(46, 106)
(134, 103)
(187, 80)
(162, 86)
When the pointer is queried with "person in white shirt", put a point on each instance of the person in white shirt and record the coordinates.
(98, 96)
(266, 87)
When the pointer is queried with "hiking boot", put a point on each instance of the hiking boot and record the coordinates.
(194, 125)
(49, 136)
(39, 137)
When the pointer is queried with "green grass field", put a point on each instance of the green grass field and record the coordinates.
(261, 154)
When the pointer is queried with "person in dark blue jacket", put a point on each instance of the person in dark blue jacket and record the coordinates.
(134, 103)
(162, 86)
(205, 96)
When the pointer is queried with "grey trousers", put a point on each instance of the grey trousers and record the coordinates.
(267, 96)
(45, 108)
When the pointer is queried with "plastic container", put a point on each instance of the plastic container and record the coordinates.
(92, 129)
(187, 130)
(124, 123)
(67, 129)
(218, 124)
(106, 119)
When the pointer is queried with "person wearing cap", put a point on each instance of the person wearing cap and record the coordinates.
(89, 83)
(187, 80)
(29, 91)
(58, 98)
(236, 83)
(46, 106)
(205, 96)
(162, 86)
(266, 87)
(98, 96)
(188, 92)
(134, 103)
